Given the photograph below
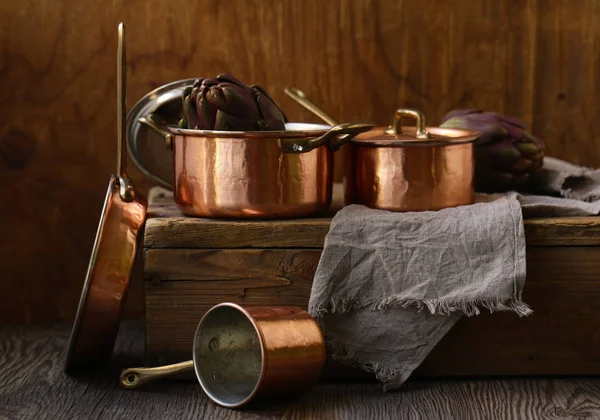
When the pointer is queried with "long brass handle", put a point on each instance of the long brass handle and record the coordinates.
(301, 98)
(133, 378)
(126, 190)
(121, 98)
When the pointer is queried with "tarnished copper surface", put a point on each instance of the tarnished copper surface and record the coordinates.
(411, 168)
(244, 352)
(249, 178)
(294, 349)
(107, 281)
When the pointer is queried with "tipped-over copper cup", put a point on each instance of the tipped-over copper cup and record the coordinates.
(243, 352)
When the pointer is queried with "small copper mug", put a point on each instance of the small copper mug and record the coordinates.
(244, 352)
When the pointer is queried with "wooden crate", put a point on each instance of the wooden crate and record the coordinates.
(191, 264)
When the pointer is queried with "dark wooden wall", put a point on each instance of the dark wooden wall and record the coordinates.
(358, 59)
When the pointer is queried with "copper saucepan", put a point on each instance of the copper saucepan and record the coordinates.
(259, 174)
(411, 168)
(405, 168)
(245, 352)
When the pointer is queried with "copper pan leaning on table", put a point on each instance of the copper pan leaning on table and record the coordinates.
(243, 352)
(107, 282)
(255, 174)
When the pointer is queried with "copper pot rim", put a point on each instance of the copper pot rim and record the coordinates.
(311, 130)
(289, 141)
(263, 355)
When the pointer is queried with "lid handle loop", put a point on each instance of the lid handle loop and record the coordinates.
(396, 127)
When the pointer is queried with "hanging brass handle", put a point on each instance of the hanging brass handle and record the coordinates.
(396, 127)
(126, 190)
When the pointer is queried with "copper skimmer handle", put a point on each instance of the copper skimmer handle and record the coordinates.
(301, 98)
(396, 127)
(126, 190)
(334, 138)
(133, 378)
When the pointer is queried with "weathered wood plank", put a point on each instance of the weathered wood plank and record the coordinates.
(203, 233)
(562, 287)
(278, 266)
(168, 228)
(563, 231)
(182, 285)
(179, 232)
(32, 385)
(560, 337)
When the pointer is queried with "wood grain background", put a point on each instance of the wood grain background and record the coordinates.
(359, 59)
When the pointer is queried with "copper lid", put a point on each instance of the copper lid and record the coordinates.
(396, 135)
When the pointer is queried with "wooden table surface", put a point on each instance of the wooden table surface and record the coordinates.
(33, 386)
(167, 227)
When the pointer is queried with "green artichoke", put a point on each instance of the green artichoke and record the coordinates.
(506, 154)
(225, 103)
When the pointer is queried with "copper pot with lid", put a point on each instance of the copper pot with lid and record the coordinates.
(416, 168)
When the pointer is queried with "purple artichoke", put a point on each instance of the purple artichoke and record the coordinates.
(227, 104)
(506, 154)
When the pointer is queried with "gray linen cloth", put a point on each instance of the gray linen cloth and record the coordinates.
(390, 285)
(569, 190)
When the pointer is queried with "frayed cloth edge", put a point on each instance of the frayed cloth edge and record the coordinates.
(434, 306)
(345, 355)
(587, 198)
(583, 173)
